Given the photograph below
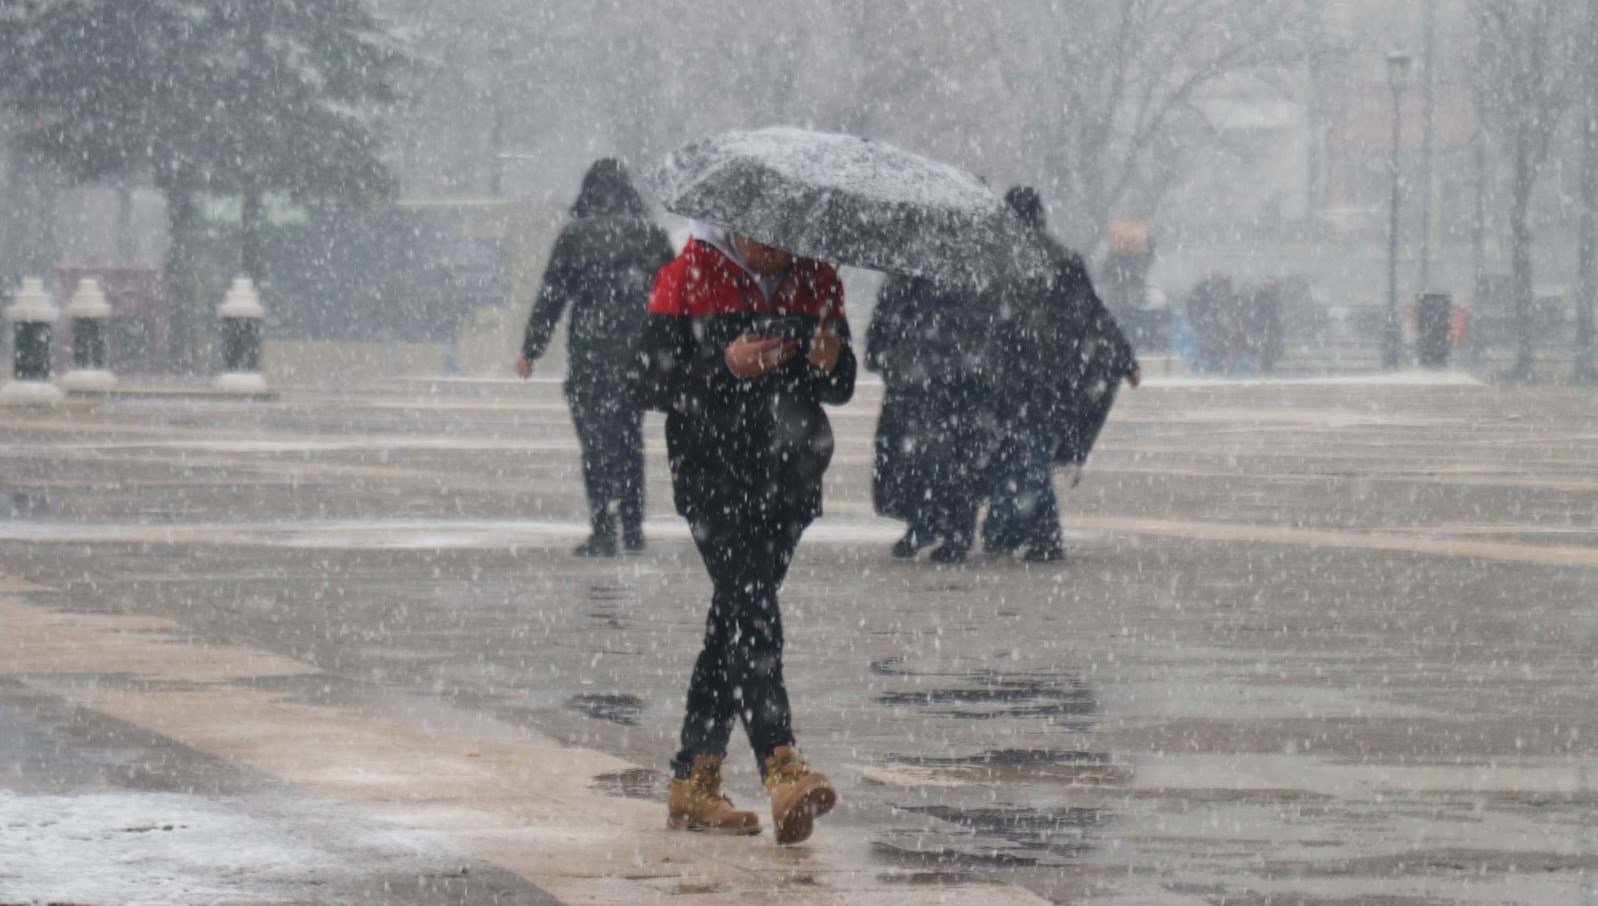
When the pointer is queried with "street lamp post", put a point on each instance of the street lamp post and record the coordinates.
(1428, 118)
(501, 55)
(1392, 340)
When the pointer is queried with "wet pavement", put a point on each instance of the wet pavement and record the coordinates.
(1315, 641)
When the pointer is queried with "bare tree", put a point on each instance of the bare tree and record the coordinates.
(1527, 72)
(1587, 264)
(1113, 122)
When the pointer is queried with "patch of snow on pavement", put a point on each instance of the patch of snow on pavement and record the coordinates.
(399, 534)
(358, 445)
(144, 848)
(1412, 378)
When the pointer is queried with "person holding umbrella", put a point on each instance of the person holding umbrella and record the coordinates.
(601, 266)
(742, 345)
(744, 342)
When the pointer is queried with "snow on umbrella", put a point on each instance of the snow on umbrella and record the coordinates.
(848, 200)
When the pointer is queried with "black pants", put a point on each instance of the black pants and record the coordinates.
(739, 671)
(1023, 509)
(952, 435)
(609, 428)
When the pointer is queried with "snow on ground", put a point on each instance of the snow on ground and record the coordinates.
(1413, 378)
(398, 534)
(150, 848)
(161, 849)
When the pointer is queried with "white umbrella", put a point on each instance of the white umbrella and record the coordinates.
(849, 200)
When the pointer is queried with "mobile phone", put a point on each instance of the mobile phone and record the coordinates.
(786, 327)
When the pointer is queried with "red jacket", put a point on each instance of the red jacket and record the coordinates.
(741, 450)
(703, 281)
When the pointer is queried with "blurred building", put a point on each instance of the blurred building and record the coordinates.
(1299, 179)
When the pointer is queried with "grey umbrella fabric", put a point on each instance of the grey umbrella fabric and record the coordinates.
(849, 200)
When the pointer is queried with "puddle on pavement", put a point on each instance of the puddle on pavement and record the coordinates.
(634, 783)
(987, 694)
(969, 829)
(929, 878)
(604, 592)
(988, 839)
(1059, 831)
(999, 765)
(917, 851)
(606, 614)
(616, 708)
(1004, 697)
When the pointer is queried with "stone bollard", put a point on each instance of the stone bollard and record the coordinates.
(90, 315)
(33, 317)
(241, 315)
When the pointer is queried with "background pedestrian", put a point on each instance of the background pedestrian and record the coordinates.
(601, 268)
(935, 435)
(1064, 357)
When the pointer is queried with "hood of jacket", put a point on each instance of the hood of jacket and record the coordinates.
(608, 191)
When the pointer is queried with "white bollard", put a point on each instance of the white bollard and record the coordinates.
(241, 315)
(90, 316)
(33, 318)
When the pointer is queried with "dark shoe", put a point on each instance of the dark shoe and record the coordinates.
(632, 540)
(1050, 552)
(949, 552)
(1001, 543)
(907, 547)
(998, 540)
(596, 546)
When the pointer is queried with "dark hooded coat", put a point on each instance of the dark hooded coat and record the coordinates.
(936, 431)
(601, 267)
(1064, 354)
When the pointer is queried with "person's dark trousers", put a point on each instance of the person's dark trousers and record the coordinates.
(1023, 509)
(951, 516)
(610, 431)
(739, 670)
(952, 435)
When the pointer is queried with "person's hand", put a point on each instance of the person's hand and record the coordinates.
(824, 349)
(1135, 378)
(752, 355)
(524, 367)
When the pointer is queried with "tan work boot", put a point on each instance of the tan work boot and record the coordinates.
(697, 803)
(798, 796)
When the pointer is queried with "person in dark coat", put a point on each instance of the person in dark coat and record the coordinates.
(1064, 357)
(1265, 323)
(742, 346)
(1211, 315)
(936, 430)
(601, 268)
(888, 331)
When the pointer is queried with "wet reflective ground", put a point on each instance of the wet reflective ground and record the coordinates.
(1314, 642)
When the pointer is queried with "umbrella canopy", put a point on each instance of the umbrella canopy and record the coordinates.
(849, 200)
